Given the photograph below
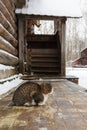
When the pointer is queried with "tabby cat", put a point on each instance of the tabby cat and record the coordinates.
(31, 93)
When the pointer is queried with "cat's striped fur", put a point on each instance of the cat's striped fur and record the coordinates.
(31, 93)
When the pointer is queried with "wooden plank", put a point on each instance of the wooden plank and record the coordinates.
(45, 64)
(8, 59)
(41, 38)
(46, 51)
(4, 45)
(45, 70)
(45, 56)
(39, 17)
(54, 77)
(7, 36)
(44, 59)
(65, 109)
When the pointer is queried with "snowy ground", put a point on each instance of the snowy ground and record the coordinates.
(81, 73)
(8, 85)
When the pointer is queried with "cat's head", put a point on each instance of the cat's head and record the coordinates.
(46, 88)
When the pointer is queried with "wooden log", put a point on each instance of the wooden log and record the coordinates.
(63, 45)
(7, 36)
(7, 25)
(12, 3)
(4, 45)
(8, 6)
(7, 15)
(7, 73)
(21, 45)
(8, 59)
(45, 70)
(20, 3)
(41, 38)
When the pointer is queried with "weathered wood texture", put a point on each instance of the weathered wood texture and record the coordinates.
(4, 45)
(51, 77)
(20, 3)
(62, 35)
(10, 8)
(45, 60)
(41, 38)
(82, 61)
(7, 25)
(7, 14)
(38, 46)
(21, 44)
(66, 109)
(45, 53)
(8, 59)
(7, 73)
(8, 34)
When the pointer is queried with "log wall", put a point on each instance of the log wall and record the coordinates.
(8, 37)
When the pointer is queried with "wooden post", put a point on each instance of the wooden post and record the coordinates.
(21, 44)
(63, 46)
(55, 26)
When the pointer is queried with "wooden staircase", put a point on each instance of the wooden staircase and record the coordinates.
(45, 60)
(45, 55)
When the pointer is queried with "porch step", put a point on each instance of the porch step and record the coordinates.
(46, 70)
(45, 60)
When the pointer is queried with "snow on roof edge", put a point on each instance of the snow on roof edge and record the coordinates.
(67, 8)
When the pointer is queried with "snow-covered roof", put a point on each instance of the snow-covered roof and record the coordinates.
(60, 8)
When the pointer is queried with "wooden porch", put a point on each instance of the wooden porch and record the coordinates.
(66, 109)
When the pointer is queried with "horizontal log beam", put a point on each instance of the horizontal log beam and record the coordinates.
(8, 59)
(7, 36)
(7, 25)
(20, 3)
(41, 38)
(7, 73)
(4, 45)
(7, 15)
(8, 6)
(12, 2)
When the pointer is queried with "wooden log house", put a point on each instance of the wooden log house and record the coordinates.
(66, 108)
(43, 54)
(8, 39)
(21, 48)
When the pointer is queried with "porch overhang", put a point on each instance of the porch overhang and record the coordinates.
(57, 8)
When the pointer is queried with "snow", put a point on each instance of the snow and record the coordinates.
(68, 8)
(8, 85)
(81, 73)
(4, 67)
